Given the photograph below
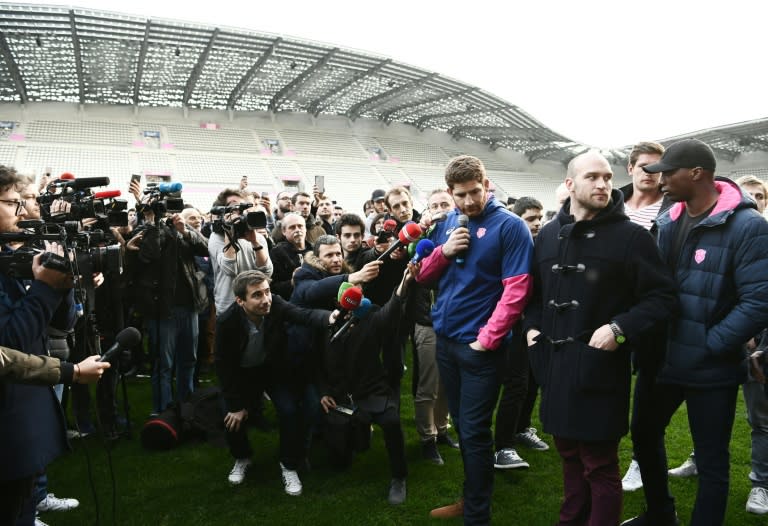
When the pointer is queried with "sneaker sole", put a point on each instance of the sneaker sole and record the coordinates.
(630, 489)
(511, 466)
(293, 494)
(761, 511)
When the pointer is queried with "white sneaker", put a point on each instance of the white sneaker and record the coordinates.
(632, 481)
(530, 439)
(38, 522)
(52, 503)
(237, 475)
(686, 469)
(758, 501)
(291, 481)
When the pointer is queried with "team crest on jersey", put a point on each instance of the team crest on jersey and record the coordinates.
(699, 255)
(480, 232)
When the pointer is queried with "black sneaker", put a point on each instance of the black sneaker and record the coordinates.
(446, 440)
(396, 492)
(429, 452)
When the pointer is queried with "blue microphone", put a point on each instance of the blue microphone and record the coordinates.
(169, 188)
(423, 249)
(358, 314)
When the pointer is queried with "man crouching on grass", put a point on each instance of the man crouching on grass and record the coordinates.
(249, 334)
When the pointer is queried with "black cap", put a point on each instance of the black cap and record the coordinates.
(378, 195)
(688, 153)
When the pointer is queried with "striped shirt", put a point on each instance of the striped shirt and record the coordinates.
(643, 216)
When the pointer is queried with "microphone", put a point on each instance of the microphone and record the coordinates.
(79, 184)
(107, 194)
(389, 225)
(423, 249)
(169, 188)
(409, 233)
(125, 339)
(350, 299)
(358, 314)
(463, 222)
(342, 288)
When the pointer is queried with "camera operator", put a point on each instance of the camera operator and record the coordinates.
(30, 416)
(160, 257)
(231, 254)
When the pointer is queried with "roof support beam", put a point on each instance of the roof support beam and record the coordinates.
(317, 105)
(140, 63)
(198, 69)
(356, 110)
(293, 86)
(78, 56)
(510, 132)
(387, 115)
(13, 68)
(246, 80)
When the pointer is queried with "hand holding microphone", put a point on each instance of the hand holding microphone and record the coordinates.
(357, 314)
(458, 242)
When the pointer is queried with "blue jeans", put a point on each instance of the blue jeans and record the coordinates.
(757, 414)
(174, 340)
(297, 405)
(710, 418)
(471, 380)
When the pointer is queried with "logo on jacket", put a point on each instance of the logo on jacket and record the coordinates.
(699, 255)
(480, 232)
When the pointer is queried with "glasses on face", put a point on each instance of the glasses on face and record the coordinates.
(20, 204)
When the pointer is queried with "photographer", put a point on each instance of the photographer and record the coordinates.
(30, 416)
(160, 258)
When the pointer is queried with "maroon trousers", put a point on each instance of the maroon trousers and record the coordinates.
(591, 483)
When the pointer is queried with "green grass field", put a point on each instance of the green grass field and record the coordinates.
(188, 486)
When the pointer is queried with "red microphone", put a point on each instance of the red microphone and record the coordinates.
(409, 233)
(350, 299)
(66, 176)
(107, 194)
(389, 225)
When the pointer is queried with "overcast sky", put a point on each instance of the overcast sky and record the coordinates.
(597, 72)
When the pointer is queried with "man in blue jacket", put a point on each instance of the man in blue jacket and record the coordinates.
(31, 419)
(716, 243)
(482, 271)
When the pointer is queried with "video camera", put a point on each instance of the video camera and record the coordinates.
(84, 249)
(84, 204)
(236, 225)
(163, 198)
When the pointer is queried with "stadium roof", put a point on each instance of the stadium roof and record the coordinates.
(730, 141)
(58, 53)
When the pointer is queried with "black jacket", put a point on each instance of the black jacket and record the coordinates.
(152, 270)
(352, 364)
(285, 260)
(587, 274)
(232, 338)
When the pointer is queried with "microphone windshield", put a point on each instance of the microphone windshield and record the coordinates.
(106, 194)
(168, 188)
(424, 248)
(362, 311)
(128, 337)
(463, 220)
(410, 232)
(389, 225)
(351, 298)
(343, 287)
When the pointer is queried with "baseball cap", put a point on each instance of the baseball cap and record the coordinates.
(378, 195)
(688, 153)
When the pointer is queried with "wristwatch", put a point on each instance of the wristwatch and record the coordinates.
(617, 332)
